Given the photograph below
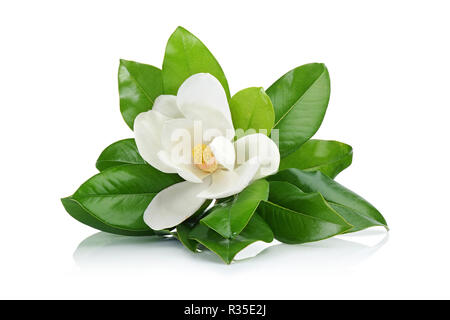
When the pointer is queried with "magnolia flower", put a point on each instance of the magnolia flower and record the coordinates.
(192, 134)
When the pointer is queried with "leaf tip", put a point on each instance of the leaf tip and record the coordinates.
(123, 62)
(180, 29)
(98, 165)
(66, 202)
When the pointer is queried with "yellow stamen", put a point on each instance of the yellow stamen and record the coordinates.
(204, 158)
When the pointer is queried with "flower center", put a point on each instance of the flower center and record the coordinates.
(204, 159)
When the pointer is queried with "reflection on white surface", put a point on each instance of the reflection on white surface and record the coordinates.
(103, 250)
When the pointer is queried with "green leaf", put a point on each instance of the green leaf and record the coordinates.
(256, 230)
(329, 157)
(119, 196)
(357, 211)
(185, 228)
(119, 153)
(298, 217)
(186, 55)
(230, 218)
(300, 99)
(76, 210)
(183, 231)
(358, 220)
(251, 108)
(139, 86)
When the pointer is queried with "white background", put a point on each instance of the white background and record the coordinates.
(389, 67)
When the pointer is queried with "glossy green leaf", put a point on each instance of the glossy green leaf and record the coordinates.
(119, 153)
(119, 196)
(300, 99)
(251, 108)
(185, 228)
(186, 55)
(76, 210)
(183, 231)
(356, 210)
(329, 157)
(355, 218)
(298, 217)
(256, 230)
(139, 86)
(230, 218)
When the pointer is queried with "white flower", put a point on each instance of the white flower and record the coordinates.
(212, 165)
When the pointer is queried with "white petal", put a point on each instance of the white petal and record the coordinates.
(178, 132)
(188, 171)
(147, 130)
(262, 148)
(202, 97)
(223, 151)
(226, 183)
(174, 204)
(178, 140)
(167, 105)
(191, 173)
